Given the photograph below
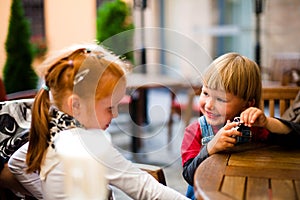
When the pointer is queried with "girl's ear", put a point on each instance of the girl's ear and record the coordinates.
(74, 104)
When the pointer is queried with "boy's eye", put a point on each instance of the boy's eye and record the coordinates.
(204, 93)
(222, 100)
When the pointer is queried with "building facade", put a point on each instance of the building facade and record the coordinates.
(182, 36)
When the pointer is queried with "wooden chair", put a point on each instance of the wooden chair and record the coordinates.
(282, 64)
(186, 110)
(15, 119)
(155, 171)
(281, 96)
(192, 108)
(2, 91)
(26, 94)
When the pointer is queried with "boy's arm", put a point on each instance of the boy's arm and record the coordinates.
(292, 139)
(282, 126)
(189, 167)
(275, 125)
(253, 116)
(192, 151)
(295, 127)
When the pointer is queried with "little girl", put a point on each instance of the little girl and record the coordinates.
(80, 97)
(231, 88)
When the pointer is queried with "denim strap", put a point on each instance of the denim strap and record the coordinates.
(206, 130)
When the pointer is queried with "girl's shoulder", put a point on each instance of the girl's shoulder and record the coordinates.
(80, 140)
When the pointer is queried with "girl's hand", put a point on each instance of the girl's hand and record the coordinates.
(253, 117)
(224, 139)
(7, 180)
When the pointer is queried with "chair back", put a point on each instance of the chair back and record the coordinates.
(276, 100)
(155, 171)
(15, 119)
(192, 109)
(189, 109)
(26, 94)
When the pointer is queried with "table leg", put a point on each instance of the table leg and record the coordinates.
(139, 115)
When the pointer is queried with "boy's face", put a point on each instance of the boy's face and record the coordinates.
(218, 106)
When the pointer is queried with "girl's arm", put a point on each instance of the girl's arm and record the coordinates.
(120, 172)
(17, 165)
(7, 180)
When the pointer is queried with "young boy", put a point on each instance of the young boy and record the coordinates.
(231, 88)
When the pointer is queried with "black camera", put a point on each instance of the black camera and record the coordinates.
(245, 130)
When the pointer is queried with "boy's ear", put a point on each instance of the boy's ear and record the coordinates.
(251, 103)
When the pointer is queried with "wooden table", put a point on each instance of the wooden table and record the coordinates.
(251, 171)
(138, 80)
(138, 84)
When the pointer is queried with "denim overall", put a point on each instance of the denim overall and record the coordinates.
(207, 135)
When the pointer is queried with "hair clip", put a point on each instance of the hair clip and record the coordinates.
(88, 50)
(45, 87)
(80, 76)
(70, 62)
(99, 56)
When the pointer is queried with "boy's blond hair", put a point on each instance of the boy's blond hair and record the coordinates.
(235, 74)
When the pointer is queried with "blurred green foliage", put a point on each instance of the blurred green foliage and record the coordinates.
(18, 73)
(114, 17)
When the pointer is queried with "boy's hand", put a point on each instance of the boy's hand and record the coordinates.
(224, 139)
(253, 117)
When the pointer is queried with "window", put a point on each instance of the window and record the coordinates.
(34, 11)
